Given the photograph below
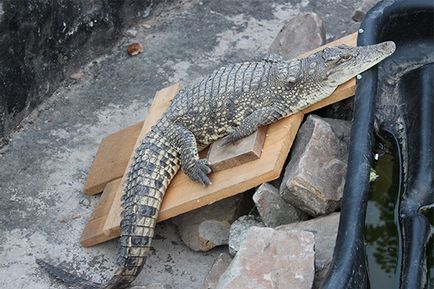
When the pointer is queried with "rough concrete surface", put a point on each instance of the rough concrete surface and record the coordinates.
(43, 169)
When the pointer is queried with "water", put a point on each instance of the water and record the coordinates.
(381, 231)
(383, 242)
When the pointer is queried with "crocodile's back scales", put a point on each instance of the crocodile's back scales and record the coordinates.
(217, 103)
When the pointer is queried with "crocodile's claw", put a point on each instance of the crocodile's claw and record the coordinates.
(199, 171)
(230, 139)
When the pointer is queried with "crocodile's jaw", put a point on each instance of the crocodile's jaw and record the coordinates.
(360, 59)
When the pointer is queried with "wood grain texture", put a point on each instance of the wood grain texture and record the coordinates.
(183, 195)
(161, 102)
(111, 158)
(93, 232)
(245, 150)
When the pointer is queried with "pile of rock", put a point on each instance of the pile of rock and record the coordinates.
(289, 236)
(285, 238)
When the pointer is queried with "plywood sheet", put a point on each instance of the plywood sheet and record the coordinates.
(223, 157)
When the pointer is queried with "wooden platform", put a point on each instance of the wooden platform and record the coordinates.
(184, 195)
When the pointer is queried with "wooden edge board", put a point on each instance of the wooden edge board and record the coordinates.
(161, 102)
(93, 232)
(104, 169)
(245, 150)
(183, 195)
(112, 154)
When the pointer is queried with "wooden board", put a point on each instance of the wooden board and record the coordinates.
(111, 158)
(104, 169)
(93, 232)
(245, 150)
(184, 195)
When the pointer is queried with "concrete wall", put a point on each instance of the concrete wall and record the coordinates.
(41, 41)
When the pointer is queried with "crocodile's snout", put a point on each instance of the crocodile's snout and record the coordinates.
(388, 47)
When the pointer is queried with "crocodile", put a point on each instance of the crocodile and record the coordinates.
(230, 103)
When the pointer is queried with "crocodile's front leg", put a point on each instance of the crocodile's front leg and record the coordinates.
(185, 142)
(250, 124)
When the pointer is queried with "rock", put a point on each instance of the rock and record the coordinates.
(131, 32)
(325, 230)
(300, 34)
(364, 7)
(273, 209)
(239, 229)
(208, 227)
(218, 268)
(269, 258)
(315, 176)
(77, 76)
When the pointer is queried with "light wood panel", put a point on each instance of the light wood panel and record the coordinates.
(247, 149)
(111, 158)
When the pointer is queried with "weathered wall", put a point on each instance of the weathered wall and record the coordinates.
(41, 41)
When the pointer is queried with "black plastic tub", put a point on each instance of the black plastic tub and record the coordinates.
(397, 99)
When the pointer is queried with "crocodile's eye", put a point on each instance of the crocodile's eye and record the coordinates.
(332, 59)
(347, 57)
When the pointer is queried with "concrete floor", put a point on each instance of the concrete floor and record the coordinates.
(43, 169)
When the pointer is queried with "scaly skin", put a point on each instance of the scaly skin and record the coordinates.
(232, 102)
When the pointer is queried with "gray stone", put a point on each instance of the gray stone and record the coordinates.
(208, 227)
(77, 75)
(273, 209)
(300, 34)
(218, 268)
(315, 176)
(361, 10)
(269, 258)
(325, 230)
(239, 229)
(131, 32)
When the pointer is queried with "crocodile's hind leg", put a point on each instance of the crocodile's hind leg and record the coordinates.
(184, 140)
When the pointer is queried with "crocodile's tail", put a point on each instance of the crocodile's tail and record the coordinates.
(153, 167)
(70, 280)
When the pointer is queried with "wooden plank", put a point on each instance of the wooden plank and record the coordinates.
(107, 165)
(183, 195)
(245, 150)
(161, 102)
(106, 170)
(93, 232)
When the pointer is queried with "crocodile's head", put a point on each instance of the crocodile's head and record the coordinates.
(336, 65)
